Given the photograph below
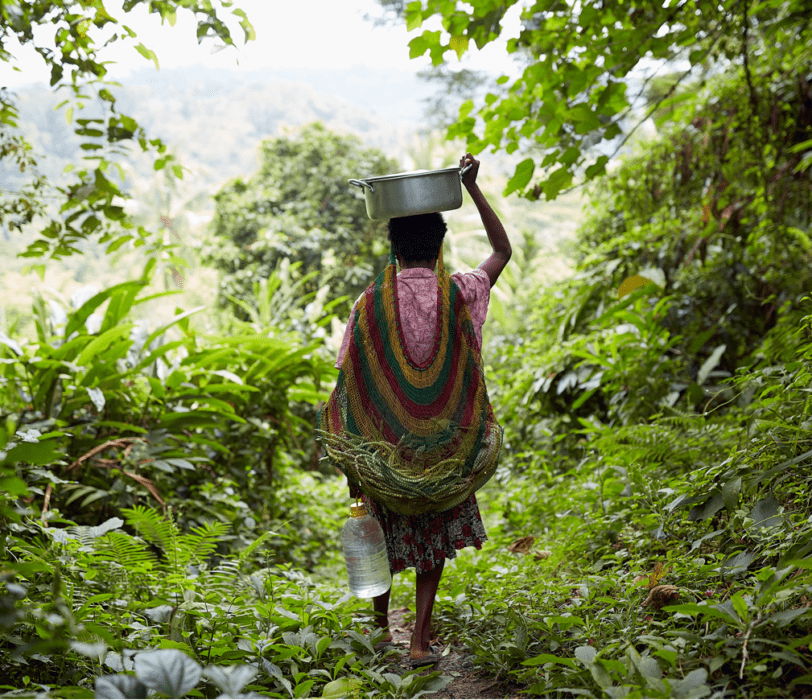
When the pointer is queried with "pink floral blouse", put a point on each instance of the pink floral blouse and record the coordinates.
(417, 299)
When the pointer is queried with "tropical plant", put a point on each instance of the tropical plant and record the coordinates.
(577, 59)
(299, 206)
(101, 411)
(137, 605)
(89, 208)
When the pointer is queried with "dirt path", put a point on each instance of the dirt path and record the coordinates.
(458, 664)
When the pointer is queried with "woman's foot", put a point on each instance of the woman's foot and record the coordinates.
(385, 642)
(427, 657)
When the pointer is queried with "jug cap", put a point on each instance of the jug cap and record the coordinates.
(358, 511)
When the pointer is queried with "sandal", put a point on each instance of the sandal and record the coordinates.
(428, 658)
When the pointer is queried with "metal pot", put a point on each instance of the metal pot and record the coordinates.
(416, 192)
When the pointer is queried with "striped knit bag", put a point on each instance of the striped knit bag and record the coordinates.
(417, 437)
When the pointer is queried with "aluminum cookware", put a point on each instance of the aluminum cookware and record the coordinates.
(415, 192)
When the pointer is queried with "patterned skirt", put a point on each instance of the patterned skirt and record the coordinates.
(423, 541)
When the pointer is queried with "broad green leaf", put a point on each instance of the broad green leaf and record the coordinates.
(97, 397)
(89, 649)
(193, 419)
(116, 244)
(413, 15)
(786, 617)
(161, 329)
(12, 485)
(157, 353)
(459, 44)
(521, 177)
(586, 654)
(247, 27)
(692, 686)
(302, 689)
(105, 527)
(120, 686)
(427, 41)
(730, 493)
(765, 513)
(600, 675)
(168, 671)
(740, 606)
(39, 453)
(102, 342)
(738, 563)
(230, 679)
(169, 292)
(341, 688)
(8, 342)
(465, 108)
(584, 118)
(77, 319)
(694, 610)
(549, 659)
(557, 180)
(710, 507)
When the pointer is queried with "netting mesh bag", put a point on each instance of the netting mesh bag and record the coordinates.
(416, 437)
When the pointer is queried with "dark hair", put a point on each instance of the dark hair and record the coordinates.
(417, 238)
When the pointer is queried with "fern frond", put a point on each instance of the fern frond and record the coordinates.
(153, 527)
(125, 551)
(224, 581)
(251, 548)
(83, 534)
(201, 542)
(676, 441)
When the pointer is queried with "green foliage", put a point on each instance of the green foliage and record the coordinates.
(99, 606)
(658, 444)
(675, 197)
(678, 551)
(576, 59)
(100, 412)
(298, 206)
(88, 208)
(199, 596)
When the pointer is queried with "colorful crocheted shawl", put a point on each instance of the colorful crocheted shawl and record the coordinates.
(426, 431)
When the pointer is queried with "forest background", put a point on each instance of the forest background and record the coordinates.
(166, 522)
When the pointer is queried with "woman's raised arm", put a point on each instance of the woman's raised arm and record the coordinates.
(497, 236)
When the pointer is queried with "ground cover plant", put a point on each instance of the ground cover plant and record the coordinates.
(155, 533)
(166, 525)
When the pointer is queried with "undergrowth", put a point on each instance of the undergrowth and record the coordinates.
(670, 559)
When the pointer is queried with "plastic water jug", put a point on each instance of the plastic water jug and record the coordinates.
(365, 554)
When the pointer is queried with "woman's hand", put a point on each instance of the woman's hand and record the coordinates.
(469, 179)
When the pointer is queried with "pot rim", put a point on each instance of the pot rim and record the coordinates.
(410, 174)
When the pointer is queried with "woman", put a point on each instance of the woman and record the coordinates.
(425, 541)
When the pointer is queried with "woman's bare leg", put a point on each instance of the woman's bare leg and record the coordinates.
(427, 583)
(381, 605)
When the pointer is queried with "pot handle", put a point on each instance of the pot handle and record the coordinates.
(362, 184)
(465, 170)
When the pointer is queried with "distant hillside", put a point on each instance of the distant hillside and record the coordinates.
(213, 120)
(394, 95)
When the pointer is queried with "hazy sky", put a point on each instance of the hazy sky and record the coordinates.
(290, 34)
